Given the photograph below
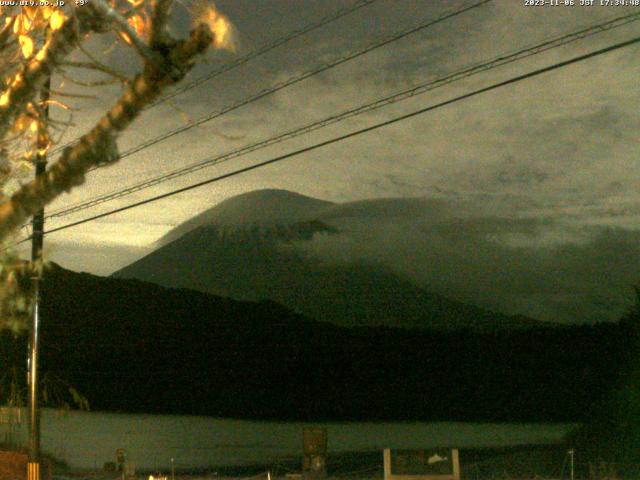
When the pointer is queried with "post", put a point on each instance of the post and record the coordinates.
(33, 470)
(387, 463)
(314, 441)
(571, 453)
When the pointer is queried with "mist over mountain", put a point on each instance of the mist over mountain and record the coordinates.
(261, 246)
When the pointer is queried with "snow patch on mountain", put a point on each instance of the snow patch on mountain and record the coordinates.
(260, 208)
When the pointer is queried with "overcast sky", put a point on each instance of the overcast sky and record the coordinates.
(558, 152)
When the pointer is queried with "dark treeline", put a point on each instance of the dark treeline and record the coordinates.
(136, 347)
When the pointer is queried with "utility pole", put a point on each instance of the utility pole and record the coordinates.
(42, 143)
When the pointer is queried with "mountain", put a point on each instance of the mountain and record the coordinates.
(137, 347)
(262, 207)
(255, 247)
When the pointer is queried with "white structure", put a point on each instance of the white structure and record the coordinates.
(434, 464)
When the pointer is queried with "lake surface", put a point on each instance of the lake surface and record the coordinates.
(85, 440)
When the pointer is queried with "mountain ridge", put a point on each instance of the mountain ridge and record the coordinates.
(276, 207)
(133, 346)
(266, 260)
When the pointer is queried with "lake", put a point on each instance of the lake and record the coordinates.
(85, 440)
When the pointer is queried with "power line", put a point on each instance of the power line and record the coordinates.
(300, 77)
(251, 55)
(371, 128)
(474, 69)
(308, 74)
(241, 61)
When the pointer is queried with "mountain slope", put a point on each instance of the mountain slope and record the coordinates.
(262, 207)
(251, 247)
(137, 347)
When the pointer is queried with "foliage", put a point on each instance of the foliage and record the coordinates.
(59, 393)
(612, 432)
(36, 44)
(12, 393)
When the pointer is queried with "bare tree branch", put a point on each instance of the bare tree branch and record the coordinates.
(5, 33)
(98, 147)
(59, 93)
(123, 26)
(159, 21)
(80, 83)
(101, 65)
(97, 66)
(31, 76)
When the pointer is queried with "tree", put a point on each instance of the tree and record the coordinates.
(612, 433)
(36, 43)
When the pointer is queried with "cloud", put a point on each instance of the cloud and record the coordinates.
(541, 269)
(98, 259)
(533, 178)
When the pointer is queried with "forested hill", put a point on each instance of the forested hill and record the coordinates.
(137, 347)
